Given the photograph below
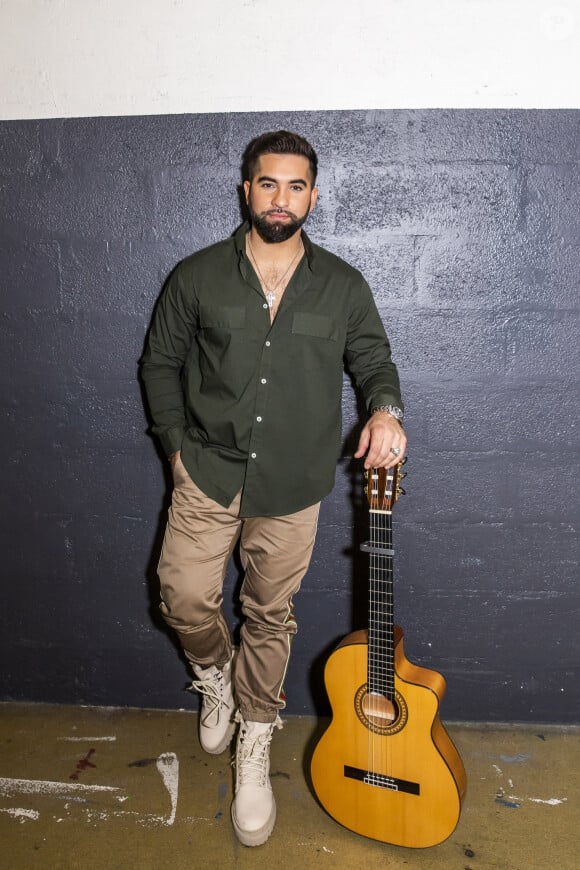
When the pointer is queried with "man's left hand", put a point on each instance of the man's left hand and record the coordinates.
(381, 433)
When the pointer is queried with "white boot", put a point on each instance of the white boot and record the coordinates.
(254, 807)
(216, 717)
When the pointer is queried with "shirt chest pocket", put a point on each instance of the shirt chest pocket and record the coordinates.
(315, 342)
(221, 333)
(222, 317)
(314, 325)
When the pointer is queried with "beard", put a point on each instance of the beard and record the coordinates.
(276, 231)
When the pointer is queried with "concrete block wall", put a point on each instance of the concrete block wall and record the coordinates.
(466, 225)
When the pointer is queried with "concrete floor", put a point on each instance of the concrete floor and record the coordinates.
(110, 788)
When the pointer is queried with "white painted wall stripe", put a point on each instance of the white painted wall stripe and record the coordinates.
(65, 58)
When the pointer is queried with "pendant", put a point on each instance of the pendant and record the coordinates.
(270, 298)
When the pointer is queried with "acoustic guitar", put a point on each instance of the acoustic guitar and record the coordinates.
(386, 767)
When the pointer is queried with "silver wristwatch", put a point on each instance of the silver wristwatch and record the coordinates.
(390, 409)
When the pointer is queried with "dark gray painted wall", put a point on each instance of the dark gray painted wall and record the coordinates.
(466, 224)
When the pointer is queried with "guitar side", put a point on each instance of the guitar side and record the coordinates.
(401, 781)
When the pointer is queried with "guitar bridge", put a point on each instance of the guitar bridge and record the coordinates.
(379, 780)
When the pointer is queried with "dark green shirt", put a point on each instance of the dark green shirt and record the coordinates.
(255, 405)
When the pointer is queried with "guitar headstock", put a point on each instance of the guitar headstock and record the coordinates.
(382, 486)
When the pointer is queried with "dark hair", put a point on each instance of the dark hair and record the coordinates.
(278, 142)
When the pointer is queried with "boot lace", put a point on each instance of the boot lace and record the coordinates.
(253, 758)
(212, 690)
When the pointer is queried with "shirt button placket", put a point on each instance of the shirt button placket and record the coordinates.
(259, 404)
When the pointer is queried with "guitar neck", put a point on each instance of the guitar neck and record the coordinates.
(381, 645)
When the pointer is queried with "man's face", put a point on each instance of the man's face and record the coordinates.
(280, 196)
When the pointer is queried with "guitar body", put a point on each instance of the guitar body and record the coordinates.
(395, 775)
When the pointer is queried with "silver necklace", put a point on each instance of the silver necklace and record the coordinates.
(270, 294)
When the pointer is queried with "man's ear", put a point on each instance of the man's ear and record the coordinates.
(313, 198)
(247, 189)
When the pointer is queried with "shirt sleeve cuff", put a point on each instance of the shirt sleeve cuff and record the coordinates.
(172, 439)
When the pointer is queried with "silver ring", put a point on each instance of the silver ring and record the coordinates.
(395, 451)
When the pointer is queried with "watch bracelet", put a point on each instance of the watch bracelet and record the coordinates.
(390, 409)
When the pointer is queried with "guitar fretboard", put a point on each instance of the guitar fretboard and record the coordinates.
(381, 677)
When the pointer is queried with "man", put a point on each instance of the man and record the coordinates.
(243, 372)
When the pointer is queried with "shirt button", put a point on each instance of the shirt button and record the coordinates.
(259, 419)
(267, 344)
(263, 381)
(253, 455)
(265, 305)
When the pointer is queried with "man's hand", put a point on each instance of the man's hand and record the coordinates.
(381, 432)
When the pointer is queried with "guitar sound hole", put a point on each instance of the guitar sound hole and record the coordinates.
(380, 711)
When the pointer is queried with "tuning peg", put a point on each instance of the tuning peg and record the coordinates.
(403, 475)
(401, 491)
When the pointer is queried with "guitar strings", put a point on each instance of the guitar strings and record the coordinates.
(381, 641)
(389, 642)
(375, 542)
(371, 763)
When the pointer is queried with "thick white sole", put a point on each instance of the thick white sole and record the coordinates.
(223, 744)
(258, 837)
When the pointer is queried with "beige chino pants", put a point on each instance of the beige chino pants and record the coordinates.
(275, 552)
